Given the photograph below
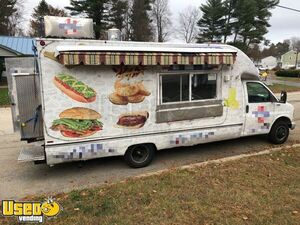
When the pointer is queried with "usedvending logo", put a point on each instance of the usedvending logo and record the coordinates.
(31, 211)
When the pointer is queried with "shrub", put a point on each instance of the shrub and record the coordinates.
(288, 73)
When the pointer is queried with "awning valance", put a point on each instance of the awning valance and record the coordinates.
(146, 59)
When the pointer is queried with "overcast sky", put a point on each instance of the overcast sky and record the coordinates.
(284, 23)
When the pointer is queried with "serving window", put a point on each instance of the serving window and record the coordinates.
(176, 88)
(204, 86)
(187, 96)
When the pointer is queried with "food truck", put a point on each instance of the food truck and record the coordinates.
(89, 99)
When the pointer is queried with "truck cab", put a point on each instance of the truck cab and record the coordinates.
(265, 113)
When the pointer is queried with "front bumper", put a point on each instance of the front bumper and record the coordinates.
(293, 125)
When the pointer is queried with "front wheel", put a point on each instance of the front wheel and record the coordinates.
(138, 156)
(279, 132)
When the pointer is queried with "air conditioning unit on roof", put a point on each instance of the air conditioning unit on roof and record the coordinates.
(68, 27)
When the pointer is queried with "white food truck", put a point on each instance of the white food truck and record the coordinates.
(89, 99)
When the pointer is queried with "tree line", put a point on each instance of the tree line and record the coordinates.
(139, 20)
(238, 22)
(242, 23)
(256, 53)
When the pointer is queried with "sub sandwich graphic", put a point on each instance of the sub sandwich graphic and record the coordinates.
(75, 89)
(78, 122)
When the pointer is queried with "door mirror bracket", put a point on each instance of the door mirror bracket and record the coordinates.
(283, 97)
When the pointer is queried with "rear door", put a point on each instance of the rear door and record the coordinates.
(260, 105)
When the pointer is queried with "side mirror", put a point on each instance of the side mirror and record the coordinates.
(283, 97)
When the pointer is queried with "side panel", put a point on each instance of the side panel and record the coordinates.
(103, 80)
(118, 146)
(115, 139)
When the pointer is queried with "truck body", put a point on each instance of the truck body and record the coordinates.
(91, 99)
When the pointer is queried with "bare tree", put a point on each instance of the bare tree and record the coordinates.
(295, 45)
(188, 19)
(161, 19)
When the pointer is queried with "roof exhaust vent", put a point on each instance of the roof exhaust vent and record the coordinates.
(114, 35)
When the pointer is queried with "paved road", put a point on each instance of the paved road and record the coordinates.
(21, 179)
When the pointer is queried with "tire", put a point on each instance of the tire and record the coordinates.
(138, 156)
(279, 132)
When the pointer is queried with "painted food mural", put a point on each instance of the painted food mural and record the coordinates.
(133, 120)
(129, 87)
(78, 122)
(75, 89)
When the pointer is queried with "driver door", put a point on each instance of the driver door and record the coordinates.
(260, 105)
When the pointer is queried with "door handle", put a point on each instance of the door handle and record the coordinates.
(247, 108)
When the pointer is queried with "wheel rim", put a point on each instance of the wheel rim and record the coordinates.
(140, 154)
(281, 133)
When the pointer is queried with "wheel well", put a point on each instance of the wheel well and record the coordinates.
(284, 119)
(152, 144)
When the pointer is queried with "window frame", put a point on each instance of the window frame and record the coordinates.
(190, 73)
(272, 96)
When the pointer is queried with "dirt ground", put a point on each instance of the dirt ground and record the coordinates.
(5, 121)
(21, 179)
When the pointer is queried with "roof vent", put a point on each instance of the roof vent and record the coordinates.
(114, 35)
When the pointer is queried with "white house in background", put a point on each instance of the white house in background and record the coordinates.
(269, 62)
(289, 60)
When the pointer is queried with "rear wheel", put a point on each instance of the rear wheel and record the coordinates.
(138, 156)
(279, 132)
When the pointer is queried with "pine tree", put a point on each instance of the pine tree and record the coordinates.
(140, 21)
(252, 18)
(229, 9)
(37, 21)
(98, 10)
(10, 15)
(117, 14)
(212, 23)
(282, 48)
(244, 13)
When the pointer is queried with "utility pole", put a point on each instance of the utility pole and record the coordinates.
(296, 63)
(297, 56)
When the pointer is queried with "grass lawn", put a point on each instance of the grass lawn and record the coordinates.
(293, 79)
(277, 88)
(262, 190)
(4, 100)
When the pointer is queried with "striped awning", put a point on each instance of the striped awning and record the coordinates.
(146, 59)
